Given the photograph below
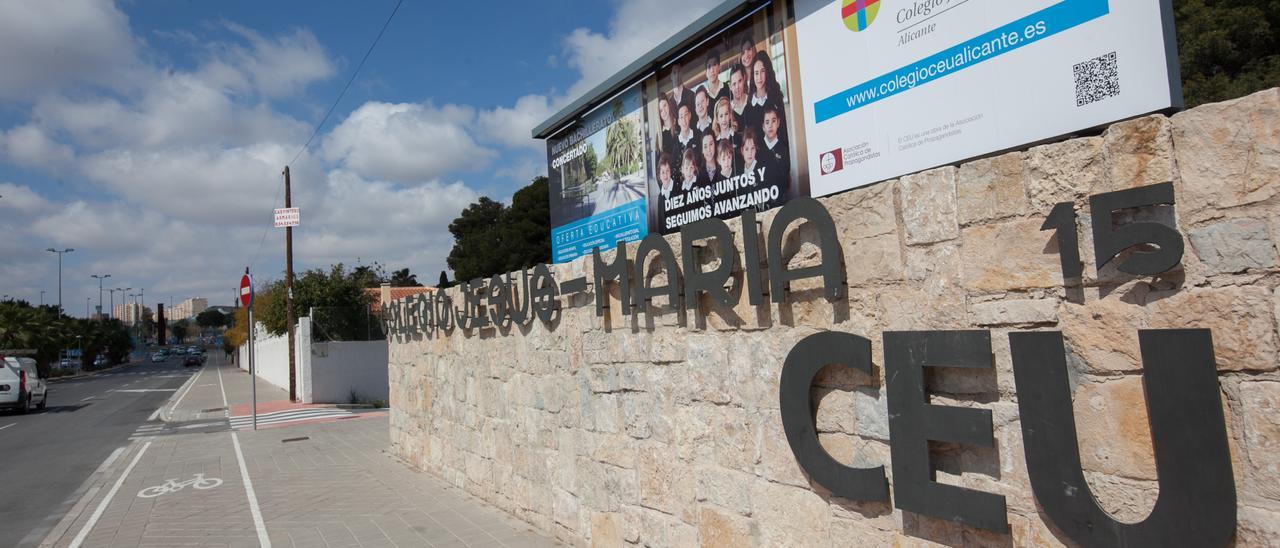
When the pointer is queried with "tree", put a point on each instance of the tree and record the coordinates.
(210, 319)
(1227, 48)
(402, 278)
(476, 240)
(337, 296)
(367, 276)
(180, 330)
(490, 238)
(444, 281)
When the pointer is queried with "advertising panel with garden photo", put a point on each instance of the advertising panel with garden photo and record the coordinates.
(596, 172)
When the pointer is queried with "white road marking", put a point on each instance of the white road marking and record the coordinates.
(155, 414)
(190, 383)
(102, 506)
(142, 390)
(7, 425)
(263, 540)
(88, 398)
(226, 411)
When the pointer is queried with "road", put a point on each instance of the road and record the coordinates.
(48, 454)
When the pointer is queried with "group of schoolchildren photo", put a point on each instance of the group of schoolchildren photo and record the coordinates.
(730, 127)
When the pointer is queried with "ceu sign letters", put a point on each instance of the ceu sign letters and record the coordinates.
(1197, 499)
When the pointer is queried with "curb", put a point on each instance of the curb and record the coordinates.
(91, 373)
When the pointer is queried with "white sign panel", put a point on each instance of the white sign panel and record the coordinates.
(897, 86)
(286, 217)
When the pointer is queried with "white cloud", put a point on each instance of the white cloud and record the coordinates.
(279, 67)
(206, 184)
(29, 146)
(513, 126)
(21, 201)
(636, 28)
(46, 44)
(406, 142)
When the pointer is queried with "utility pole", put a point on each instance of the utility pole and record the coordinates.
(288, 288)
(42, 292)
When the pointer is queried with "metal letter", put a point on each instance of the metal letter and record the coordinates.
(831, 269)
(617, 270)
(913, 422)
(751, 257)
(1197, 501)
(475, 304)
(1108, 243)
(803, 363)
(712, 283)
(1063, 220)
(644, 293)
(499, 301)
(544, 292)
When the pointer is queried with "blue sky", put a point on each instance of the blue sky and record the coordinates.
(150, 135)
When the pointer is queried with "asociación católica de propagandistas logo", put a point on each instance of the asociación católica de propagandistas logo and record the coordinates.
(859, 14)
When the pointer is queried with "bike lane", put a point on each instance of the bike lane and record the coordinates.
(130, 506)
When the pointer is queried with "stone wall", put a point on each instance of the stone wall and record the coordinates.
(665, 430)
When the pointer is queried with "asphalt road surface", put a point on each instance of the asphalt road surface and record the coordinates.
(46, 456)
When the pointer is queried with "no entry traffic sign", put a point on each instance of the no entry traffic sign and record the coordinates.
(246, 290)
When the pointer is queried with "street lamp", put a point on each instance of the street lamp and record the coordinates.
(113, 299)
(100, 278)
(42, 292)
(60, 254)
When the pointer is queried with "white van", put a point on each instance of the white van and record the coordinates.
(21, 387)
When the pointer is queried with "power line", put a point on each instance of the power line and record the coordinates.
(275, 201)
(349, 82)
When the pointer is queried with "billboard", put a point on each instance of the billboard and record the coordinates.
(894, 87)
(597, 177)
(720, 125)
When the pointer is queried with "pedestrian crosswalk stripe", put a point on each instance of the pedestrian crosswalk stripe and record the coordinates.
(287, 416)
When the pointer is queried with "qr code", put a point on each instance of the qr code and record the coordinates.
(1097, 79)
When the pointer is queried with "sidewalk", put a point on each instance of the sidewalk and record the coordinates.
(318, 482)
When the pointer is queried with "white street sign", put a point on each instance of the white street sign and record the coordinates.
(287, 216)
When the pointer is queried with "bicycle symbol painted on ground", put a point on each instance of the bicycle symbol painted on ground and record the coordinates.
(171, 486)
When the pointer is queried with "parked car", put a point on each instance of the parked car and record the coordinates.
(21, 387)
(157, 357)
(100, 361)
(192, 361)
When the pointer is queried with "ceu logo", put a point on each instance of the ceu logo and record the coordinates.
(859, 14)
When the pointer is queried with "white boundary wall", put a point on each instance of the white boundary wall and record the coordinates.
(327, 372)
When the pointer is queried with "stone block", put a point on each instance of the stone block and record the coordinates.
(991, 188)
(873, 261)
(1065, 171)
(1257, 527)
(929, 206)
(790, 516)
(865, 212)
(606, 530)
(835, 410)
(1009, 256)
(1102, 336)
(1234, 246)
(1260, 407)
(1244, 337)
(1114, 434)
(664, 486)
(1137, 152)
(1016, 312)
(729, 489)
(872, 414)
(1228, 154)
(719, 529)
